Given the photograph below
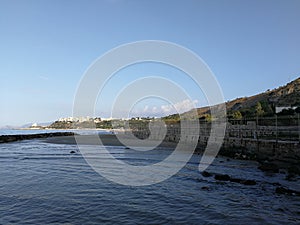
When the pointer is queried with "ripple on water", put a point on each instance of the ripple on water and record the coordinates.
(43, 183)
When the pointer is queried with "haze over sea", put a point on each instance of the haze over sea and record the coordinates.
(42, 183)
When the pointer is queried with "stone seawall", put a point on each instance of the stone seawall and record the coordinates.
(249, 141)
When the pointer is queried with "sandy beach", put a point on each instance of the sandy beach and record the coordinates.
(106, 139)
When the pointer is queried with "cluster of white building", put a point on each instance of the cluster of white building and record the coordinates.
(95, 120)
(78, 119)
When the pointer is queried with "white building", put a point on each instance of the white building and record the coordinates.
(279, 109)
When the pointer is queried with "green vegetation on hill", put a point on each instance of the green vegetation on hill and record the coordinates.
(263, 104)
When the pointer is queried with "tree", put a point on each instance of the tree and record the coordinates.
(237, 115)
(208, 118)
(259, 110)
(267, 108)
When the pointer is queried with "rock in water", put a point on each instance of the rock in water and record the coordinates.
(223, 177)
(283, 190)
(270, 167)
(206, 174)
(205, 188)
(248, 182)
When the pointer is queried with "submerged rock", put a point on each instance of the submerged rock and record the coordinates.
(283, 190)
(269, 167)
(236, 180)
(205, 188)
(206, 174)
(291, 177)
(248, 182)
(223, 177)
(294, 170)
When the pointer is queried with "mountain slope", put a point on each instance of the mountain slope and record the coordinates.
(287, 95)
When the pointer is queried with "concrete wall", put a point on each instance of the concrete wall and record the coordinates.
(277, 143)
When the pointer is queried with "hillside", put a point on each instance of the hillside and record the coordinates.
(284, 96)
(287, 95)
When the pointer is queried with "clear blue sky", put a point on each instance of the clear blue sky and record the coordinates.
(46, 46)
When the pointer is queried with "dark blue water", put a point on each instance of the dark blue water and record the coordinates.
(42, 183)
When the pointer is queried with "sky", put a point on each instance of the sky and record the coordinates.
(47, 46)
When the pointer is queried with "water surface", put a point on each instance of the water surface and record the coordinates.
(43, 183)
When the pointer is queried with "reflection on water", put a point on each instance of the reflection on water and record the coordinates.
(43, 183)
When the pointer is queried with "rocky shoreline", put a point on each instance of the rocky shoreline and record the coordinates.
(279, 189)
(268, 162)
(21, 137)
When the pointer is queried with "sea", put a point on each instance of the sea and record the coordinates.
(43, 183)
